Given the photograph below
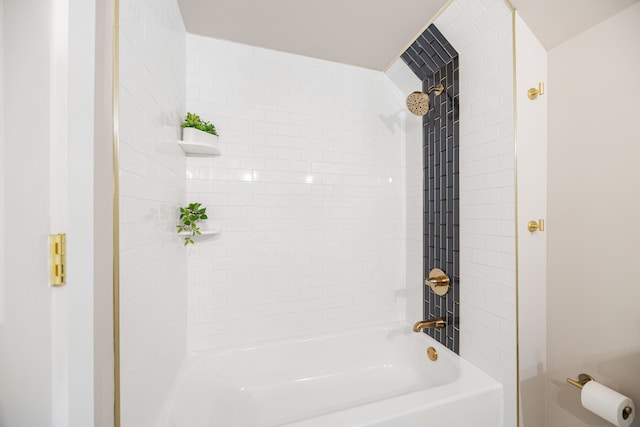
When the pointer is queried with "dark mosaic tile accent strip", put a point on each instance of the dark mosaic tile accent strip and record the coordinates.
(435, 61)
(429, 53)
(442, 201)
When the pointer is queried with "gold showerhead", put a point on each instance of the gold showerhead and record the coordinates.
(418, 102)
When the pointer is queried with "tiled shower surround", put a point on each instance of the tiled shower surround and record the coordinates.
(481, 33)
(435, 62)
(308, 192)
(153, 294)
(317, 193)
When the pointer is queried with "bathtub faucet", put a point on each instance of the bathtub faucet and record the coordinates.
(438, 322)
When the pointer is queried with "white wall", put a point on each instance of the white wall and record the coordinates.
(594, 183)
(2, 142)
(481, 32)
(25, 335)
(531, 69)
(152, 185)
(48, 338)
(308, 191)
(406, 82)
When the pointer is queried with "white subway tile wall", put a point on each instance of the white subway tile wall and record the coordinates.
(308, 191)
(407, 82)
(153, 264)
(481, 32)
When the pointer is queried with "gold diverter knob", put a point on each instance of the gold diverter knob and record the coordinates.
(432, 353)
(439, 281)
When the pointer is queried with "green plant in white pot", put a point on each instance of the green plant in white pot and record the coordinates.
(194, 129)
(190, 216)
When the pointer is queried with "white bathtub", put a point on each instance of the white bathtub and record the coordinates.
(377, 376)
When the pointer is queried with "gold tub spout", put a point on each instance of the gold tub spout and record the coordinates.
(438, 322)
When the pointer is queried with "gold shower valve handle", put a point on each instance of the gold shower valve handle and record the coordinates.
(439, 281)
(533, 92)
(534, 226)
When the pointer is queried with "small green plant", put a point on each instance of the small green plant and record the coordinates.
(189, 218)
(194, 121)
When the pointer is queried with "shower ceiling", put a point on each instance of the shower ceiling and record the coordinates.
(366, 33)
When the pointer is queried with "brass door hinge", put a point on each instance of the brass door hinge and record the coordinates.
(57, 259)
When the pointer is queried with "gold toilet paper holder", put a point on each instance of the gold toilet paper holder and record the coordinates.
(582, 380)
(585, 378)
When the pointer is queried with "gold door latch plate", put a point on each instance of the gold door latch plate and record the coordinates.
(57, 259)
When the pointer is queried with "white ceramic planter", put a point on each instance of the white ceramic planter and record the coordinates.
(198, 136)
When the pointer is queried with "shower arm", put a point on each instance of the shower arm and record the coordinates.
(437, 89)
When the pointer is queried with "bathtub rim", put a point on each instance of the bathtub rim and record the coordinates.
(470, 380)
(396, 324)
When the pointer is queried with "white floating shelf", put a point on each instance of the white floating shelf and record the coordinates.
(207, 232)
(199, 149)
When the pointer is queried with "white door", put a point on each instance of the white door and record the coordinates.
(46, 332)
